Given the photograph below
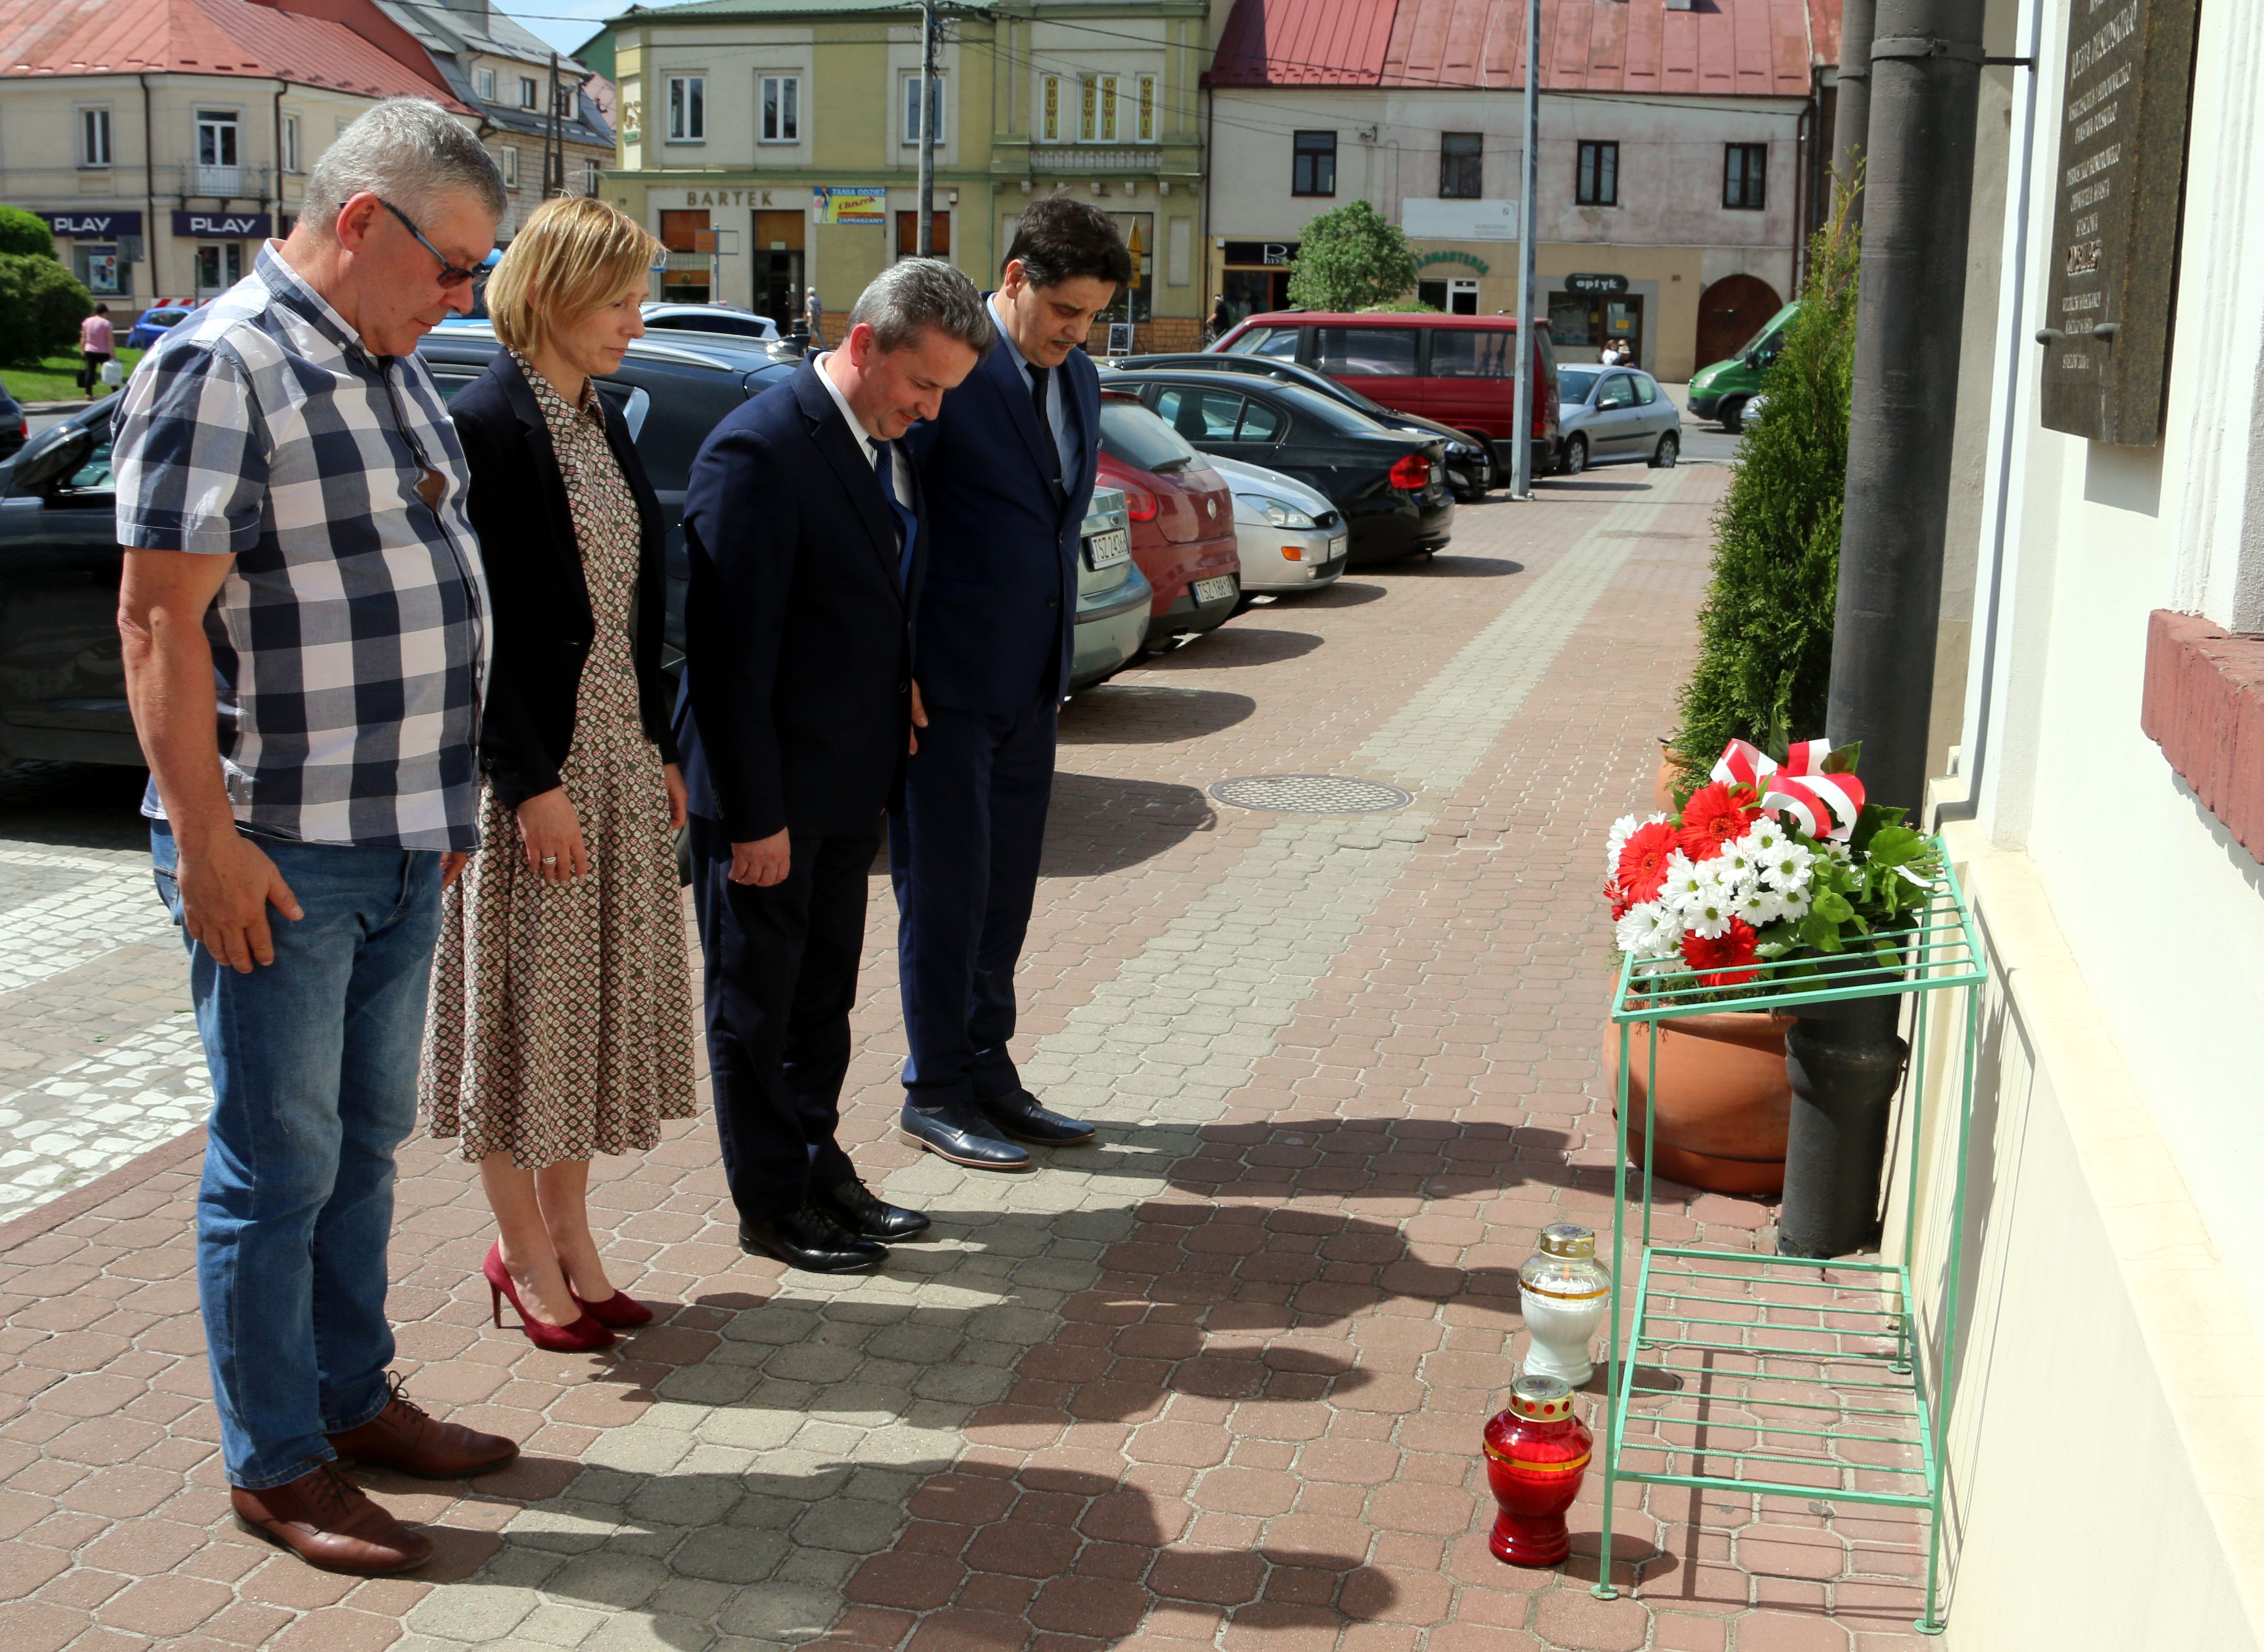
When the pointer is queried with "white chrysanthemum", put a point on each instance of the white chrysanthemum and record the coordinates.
(1793, 905)
(1788, 868)
(1649, 930)
(1766, 838)
(1760, 907)
(1708, 912)
(1735, 870)
(1623, 828)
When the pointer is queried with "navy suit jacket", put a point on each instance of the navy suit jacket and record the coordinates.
(999, 602)
(796, 703)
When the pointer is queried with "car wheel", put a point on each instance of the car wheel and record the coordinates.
(1670, 449)
(1733, 415)
(1575, 458)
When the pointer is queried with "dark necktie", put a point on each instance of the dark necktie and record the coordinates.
(907, 524)
(1038, 377)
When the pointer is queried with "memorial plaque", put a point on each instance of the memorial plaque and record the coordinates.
(2120, 179)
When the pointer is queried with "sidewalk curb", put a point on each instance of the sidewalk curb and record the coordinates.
(103, 1188)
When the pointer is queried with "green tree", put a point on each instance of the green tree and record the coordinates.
(1350, 259)
(1764, 632)
(42, 304)
(25, 234)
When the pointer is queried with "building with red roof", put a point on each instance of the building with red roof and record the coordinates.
(1681, 162)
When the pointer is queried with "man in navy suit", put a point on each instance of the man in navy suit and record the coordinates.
(1008, 469)
(807, 536)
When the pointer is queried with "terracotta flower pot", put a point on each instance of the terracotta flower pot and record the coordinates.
(1724, 1102)
(1662, 786)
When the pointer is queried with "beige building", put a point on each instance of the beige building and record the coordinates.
(1672, 198)
(774, 146)
(164, 140)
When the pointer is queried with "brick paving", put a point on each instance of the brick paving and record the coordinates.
(1216, 1380)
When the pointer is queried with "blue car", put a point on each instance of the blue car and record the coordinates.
(153, 326)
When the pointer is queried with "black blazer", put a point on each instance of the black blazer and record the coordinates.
(798, 632)
(542, 625)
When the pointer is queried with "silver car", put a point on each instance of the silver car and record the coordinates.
(1290, 537)
(1112, 595)
(1612, 416)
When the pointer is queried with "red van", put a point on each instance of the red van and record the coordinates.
(1458, 369)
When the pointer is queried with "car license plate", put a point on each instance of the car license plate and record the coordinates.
(1105, 551)
(1213, 590)
(1338, 545)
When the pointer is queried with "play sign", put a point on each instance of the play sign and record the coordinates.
(223, 226)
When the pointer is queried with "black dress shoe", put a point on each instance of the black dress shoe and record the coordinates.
(851, 1204)
(957, 1132)
(809, 1240)
(1019, 1114)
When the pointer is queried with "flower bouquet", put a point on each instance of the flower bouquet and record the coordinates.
(1773, 862)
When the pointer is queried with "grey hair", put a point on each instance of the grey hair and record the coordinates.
(914, 295)
(410, 151)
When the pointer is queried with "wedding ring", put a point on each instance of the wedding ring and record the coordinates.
(550, 860)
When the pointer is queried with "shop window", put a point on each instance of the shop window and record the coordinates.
(1313, 164)
(1598, 183)
(220, 265)
(1461, 165)
(1745, 176)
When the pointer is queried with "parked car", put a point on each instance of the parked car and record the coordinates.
(1612, 415)
(1460, 370)
(15, 429)
(722, 318)
(1390, 484)
(1182, 518)
(477, 317)
(1751, 415)
(62, 689)
(1470, 469)
(1113, 596)
(1289, 536)
(1721, 389)
(155, 324)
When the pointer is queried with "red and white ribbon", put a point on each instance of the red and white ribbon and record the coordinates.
(1821, 804)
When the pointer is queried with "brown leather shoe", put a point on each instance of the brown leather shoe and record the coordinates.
(402, 1437)
(328, 1521)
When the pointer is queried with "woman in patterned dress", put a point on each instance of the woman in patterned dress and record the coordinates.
(560, 1025)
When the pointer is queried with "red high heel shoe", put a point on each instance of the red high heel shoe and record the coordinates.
(584, 1335)
(618, 1312)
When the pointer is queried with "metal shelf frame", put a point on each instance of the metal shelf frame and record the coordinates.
(1782, 1375)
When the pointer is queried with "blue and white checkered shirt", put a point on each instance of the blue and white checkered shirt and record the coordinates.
(350, 640)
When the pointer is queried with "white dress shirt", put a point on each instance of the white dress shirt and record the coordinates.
(901, 472)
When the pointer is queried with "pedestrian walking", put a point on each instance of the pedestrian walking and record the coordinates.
(305, 634)
(1221, 319)
(95, 347)
(560, 1021)
(813, 313)
(808, 533)
(1008, 467)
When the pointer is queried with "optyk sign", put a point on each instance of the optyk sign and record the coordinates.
(222, 226)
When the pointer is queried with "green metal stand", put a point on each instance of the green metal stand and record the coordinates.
(1781, 1375)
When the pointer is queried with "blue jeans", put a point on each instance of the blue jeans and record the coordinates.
(314, 1070)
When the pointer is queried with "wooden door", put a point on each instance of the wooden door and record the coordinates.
(1730, 313)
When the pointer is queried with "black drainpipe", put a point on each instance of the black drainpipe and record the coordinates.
(149, 190)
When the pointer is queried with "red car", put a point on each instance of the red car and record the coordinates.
(1182, 511)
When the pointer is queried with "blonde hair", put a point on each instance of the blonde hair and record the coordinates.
(575, 255)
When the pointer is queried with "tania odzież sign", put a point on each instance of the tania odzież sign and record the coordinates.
(2119, 184)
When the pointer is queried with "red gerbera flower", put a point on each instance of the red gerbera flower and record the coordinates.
(1732, 948)
(1642, 861)
(1620, 902)
(1715, 815)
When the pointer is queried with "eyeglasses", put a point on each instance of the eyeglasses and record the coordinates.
(451, 274)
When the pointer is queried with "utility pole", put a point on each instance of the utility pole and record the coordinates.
(1520, 467)
(928, 132)
(1851, 108)
(553, 142)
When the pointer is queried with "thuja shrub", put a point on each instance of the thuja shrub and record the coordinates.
(1764, 632)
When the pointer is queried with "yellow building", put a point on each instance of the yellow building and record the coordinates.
(774, 147)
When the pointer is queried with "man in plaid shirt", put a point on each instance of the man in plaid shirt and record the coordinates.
(305, 634)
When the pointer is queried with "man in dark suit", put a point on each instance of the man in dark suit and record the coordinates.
(807, 536)
(1008, 467)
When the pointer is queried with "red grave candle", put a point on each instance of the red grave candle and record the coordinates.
(1536, 1453)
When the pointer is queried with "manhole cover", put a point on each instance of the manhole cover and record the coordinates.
(1310, 794)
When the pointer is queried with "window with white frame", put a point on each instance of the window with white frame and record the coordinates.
(911, 108)
(217, 131)
(589, 178)
(94, 136)
(687, 108)
(779, 97)
(509, 158)
(527, 90)
(569, 102)
(483, 82)
(291, 143)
